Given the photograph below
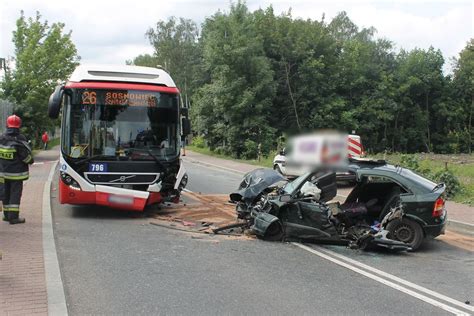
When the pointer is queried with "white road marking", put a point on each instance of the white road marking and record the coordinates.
(393, 285)
(397, 279)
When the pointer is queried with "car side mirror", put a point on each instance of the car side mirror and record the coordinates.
(285, 198)
(186, 124)
(54, 104)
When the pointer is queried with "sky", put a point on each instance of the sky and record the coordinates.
(113, 31)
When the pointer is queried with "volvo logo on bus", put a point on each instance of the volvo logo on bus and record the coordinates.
(123, 178)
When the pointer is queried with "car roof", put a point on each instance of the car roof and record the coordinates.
(403, 176)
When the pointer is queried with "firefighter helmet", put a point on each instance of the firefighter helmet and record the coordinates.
(13, 121)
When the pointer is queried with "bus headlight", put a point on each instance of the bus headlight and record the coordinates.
(184, 182)
(68, 180)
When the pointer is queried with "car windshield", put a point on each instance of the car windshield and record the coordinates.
(134, 124)
(290, 187)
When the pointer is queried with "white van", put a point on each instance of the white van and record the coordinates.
(304, 153)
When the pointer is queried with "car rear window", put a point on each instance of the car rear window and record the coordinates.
(425, 183)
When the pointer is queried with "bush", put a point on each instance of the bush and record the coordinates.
(250, 150)
(410, 162)
(223, 150)
(199, 142)
(453, 186)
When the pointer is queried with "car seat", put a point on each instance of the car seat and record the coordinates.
(391, 201)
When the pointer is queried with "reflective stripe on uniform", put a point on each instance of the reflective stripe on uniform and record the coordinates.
(28, 159)
(7, 152)
(16, 175)
(11, 208)
(10, 149)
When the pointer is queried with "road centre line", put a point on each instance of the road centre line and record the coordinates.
(397, 279)
(393, 285)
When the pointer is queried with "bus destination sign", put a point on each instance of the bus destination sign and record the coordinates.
(127, 98)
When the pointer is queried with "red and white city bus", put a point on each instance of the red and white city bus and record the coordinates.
(121, 131)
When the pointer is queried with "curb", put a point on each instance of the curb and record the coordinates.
(54, 285)
(460, 227)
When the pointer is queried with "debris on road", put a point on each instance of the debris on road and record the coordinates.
(209, 214)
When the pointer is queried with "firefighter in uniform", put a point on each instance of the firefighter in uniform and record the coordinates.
(15, 158)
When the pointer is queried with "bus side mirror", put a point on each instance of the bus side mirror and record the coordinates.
(186, 124)
(184, 111)
(54, 104)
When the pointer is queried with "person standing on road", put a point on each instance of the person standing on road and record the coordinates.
(15, 158)
(45, 139)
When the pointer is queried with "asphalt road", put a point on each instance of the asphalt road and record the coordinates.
(114, 262)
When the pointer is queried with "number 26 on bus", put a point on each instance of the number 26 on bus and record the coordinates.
(89, 97)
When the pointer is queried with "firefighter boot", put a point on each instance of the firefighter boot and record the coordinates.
(15, 218)
(19, 220)
(6, 215)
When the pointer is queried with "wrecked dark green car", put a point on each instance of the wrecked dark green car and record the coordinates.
(390, 207)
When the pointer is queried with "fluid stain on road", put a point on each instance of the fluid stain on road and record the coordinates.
(457, 240)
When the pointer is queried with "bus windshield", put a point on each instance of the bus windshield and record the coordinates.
(135, 125)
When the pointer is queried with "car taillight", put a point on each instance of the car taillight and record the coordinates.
(438, 207)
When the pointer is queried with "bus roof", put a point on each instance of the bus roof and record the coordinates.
(121, 73)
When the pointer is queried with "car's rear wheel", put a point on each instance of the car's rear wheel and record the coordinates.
(407, 231)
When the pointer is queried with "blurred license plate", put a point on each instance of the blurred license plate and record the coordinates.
(117, 199)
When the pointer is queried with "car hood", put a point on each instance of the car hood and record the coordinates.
(254, 183)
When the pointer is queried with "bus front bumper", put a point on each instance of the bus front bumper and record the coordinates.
(118, 198)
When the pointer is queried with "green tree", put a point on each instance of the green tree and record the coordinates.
(44, 57)
(463, 90)
(420, 80)
(254, 76)
(146, 60)
(177, 50)
(234, 106)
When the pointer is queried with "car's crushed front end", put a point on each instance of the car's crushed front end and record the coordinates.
(300, 210)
